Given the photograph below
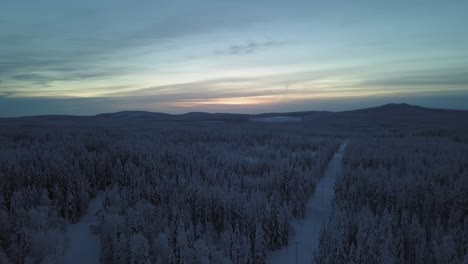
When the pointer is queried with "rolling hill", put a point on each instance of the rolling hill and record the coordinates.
(389, 115)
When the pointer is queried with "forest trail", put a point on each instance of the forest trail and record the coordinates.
(83, 245)
(318, 209)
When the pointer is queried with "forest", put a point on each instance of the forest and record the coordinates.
(181, 194)
(400, 200)
(234, 191)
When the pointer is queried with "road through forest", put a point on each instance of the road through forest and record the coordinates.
(83, 245)
(307, 230)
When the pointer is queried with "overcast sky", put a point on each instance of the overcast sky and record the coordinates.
(87, 57)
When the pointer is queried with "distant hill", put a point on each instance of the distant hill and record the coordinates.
(192, 116)
(395, 109)
(142, 115)
(402, 115)
(394, 115)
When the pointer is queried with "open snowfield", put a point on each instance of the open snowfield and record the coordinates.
(83, 245)
(277, 119)
(302, 246)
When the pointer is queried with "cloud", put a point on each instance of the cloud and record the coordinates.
(225, 87)
(293, 85)
(88, 37)
(43, 68)
(243, 49)
(443, 78)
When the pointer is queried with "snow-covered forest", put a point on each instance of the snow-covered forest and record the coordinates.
(400, 200)
(172, 194)
(107, 189)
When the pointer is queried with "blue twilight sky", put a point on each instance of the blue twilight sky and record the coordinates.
(87, 56)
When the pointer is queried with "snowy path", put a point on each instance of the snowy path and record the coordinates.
(83, 246)
(317, 212)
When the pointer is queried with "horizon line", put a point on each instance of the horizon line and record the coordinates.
(234, 113)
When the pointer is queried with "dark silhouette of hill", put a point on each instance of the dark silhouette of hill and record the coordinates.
(389, 115)
(140, 115)
(401, 115)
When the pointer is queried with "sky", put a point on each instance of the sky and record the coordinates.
(87, 57)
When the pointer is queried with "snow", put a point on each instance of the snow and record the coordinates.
(277, 119)
(307, 230)
(83, 245)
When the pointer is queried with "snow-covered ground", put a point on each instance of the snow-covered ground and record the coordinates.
(277, 119)
(83, 245)
(307, 230)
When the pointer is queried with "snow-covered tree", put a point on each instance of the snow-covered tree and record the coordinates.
(138, 250)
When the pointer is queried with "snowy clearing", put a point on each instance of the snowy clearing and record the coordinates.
(83, 245)
(277, 119)
(303, 245)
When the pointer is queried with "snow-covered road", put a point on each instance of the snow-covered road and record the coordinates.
(83, 245)
(302, 246)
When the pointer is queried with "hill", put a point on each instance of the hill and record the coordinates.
(389, 115)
